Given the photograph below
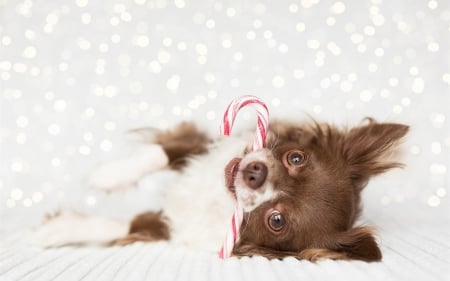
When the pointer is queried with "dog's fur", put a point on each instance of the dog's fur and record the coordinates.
(300, 194)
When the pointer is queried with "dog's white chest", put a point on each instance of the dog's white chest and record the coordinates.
(199, 206)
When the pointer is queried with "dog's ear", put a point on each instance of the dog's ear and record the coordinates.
(357, 243)
(368, 149)
(354, 244)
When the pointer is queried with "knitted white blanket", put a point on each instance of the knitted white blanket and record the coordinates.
(417, 248)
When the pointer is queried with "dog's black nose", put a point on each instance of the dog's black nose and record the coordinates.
(255, 174)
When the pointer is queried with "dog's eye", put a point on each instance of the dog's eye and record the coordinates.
(296, 158)
(276, 221)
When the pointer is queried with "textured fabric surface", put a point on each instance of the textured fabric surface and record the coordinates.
(414, 248)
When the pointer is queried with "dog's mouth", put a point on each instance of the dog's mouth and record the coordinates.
(231, 171)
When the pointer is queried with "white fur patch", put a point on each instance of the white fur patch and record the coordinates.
(70, 228)
(126, 172)
(199, 206)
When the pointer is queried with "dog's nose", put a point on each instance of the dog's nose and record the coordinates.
(255, 174)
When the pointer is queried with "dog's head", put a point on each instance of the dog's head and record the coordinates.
(301, 193)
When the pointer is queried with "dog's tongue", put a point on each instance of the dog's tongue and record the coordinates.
(230, 173)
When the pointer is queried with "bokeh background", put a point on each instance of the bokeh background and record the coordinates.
(76, 74)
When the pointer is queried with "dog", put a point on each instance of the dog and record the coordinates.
(300, 193)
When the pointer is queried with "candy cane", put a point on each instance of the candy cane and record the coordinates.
(232, 235)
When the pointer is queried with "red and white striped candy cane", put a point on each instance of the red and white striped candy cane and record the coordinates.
(232, 235)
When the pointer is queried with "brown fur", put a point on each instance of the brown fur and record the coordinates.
(320, 200)
(146, 227)
(183, 141)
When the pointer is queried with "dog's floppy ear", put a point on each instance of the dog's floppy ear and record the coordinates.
(357, 243)
(368, 149)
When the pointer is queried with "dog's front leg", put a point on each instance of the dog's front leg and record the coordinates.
(126, 172)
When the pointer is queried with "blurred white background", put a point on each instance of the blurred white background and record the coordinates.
(76, 74)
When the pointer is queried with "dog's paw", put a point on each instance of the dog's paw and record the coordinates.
(71, 228)
(57, 229)
(126, 173)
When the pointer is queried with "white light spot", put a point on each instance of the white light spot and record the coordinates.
(141, 41)
(338, 8)
(446, 78)
(20, 67)
(379, 52)
(29, 52)
(437, 119)
(54, 129)
(369, 30)
(372, 67)
(115, 38)
(438, 169)
(434, 201)
(276, 102)
(335, 77)
(22, 121)
(397, 109)
(331, 21)
(418, 85)
(267, 34)
(106, 145)
(334, 49)
(346, 86)
(201, 49)
(27, 202)
(211, 115)
(84, 150)
(154, 67)
(226, 43)
(60, 105)
(6, 40)
(163, 57)
(56, 162)
(356, 38)
(365, 95)
(432, 4)
(293, 8)
(313, 44)
(86, 18)
(210, 24)
(52, 19)
(37, 197)
(299, 74)
(393, 81)
(91, 200)
(257, 24)
(441, 192)
(81, 3)
(173, 83)
(251, 35)
(317, 109)
(378, 20)
(231, 12)
(406, 101)
(16, 194)
(283, 48)
(278, 81)
(180, 4)
(433, 47)
(300, 27)
(436, 147)
(84, 44)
